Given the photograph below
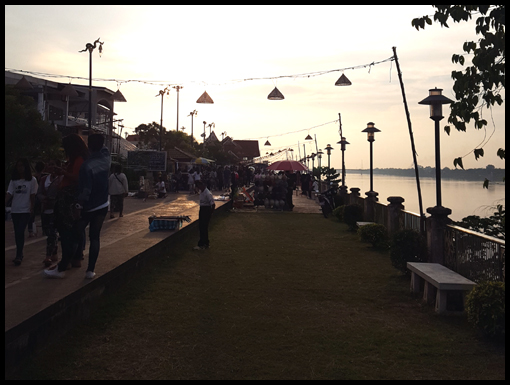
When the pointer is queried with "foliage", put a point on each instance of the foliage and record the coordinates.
(26, 133)
(493, 226)
(352, 213)
(326, 173)
(150, 136)
(375, 234)
(407, 246)
(482, 83)
(485, 306)
(338, 212)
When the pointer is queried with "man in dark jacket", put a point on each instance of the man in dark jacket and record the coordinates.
(93, 195)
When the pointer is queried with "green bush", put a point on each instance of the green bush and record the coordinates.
(485, 306)
(353, 213)
(407, 246)
(339, 212)
(375, 234)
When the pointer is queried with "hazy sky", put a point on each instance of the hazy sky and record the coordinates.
(204, 48)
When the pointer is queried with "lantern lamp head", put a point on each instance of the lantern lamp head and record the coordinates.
(371, 130)
(435, 100)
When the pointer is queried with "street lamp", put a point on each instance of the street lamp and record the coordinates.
(211, 125)
(312, 156)
(435, 100)
(192, 114)
(371, 130)
(319, 155)
(162, 93)
(177, 88)
(437, 222)
(90, 47)
(204, 132)
(328, 151)
(342, 144)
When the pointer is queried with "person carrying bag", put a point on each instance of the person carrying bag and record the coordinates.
(118, 190)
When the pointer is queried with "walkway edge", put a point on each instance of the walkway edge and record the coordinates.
(50, 324)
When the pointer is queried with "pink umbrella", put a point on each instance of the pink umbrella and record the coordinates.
(287, 165)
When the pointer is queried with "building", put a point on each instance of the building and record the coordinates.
(66, 106)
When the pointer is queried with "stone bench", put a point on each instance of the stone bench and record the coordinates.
(437, 279)
(359, 224)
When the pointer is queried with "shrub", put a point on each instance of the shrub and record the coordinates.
(407, 246)
(353, 213)
(339, 212)
(485, 306)
(375, 234)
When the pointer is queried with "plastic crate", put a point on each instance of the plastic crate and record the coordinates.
(166, 223)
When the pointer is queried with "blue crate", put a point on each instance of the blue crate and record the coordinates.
(165, 224)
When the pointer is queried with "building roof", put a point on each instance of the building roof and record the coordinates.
(250, 148)
(180, 155)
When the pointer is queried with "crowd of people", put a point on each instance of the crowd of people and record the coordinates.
(69, 197)
(79, 192)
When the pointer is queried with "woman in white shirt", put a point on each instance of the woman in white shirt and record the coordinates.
(118, 189)
(22, 189)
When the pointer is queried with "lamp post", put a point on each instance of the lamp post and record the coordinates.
(369, 210)
(371, 130)
(438, 220)
(319, 155)
(192, 114)
(343, 142)
(435, 100)
(177, 88)
(211, 125)
(312, 156)
(204, 132)
(162, 93)
(328, 151)
(90, 47)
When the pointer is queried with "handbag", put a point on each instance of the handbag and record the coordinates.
(115, 175)
(65, 211)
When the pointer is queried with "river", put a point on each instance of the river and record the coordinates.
(462, 197)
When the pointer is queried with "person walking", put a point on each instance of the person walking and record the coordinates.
(207, 206)
(118, 190)
(72, 242)
(22, 190)
(191, 182)
(92, 201)
(32, 228)
(47, 194)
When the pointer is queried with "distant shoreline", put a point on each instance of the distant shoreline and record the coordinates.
(473, 174)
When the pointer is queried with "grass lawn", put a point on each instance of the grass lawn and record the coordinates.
(277, 296)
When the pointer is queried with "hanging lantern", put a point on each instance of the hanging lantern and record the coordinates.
(118, 97)
(308, 137)
(343, 81)
(205, 99)
(267, 143)
(69, 90)
(275, 95)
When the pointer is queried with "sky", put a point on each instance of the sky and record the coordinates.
(239, 54)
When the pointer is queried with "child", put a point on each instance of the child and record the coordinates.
(47, 194)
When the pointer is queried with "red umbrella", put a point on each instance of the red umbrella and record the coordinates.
(287, 165)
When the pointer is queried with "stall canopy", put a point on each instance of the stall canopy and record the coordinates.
(202, 160)
(287, 165)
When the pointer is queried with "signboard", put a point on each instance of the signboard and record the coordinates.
(149, 160)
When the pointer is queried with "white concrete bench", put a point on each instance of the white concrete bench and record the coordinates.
(359, 224)
(437, 279)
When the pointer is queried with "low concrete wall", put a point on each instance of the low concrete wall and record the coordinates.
(52, 323)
